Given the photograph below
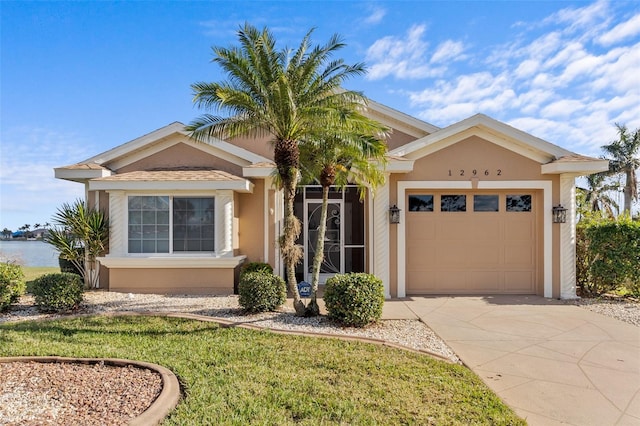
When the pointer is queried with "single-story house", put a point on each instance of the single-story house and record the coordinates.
(466, 209)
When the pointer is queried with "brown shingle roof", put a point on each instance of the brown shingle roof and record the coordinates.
(173, 176)
(84, 166)
(574, 158)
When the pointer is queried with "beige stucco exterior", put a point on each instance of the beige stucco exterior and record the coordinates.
(476, 156)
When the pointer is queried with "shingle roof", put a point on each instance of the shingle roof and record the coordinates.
(172, 176)
(84, 166)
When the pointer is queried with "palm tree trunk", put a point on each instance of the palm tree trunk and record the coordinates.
(313, 309)
(291, 252)
(628, 190)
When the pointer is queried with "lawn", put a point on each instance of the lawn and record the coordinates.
(238, 376)
(33, 272)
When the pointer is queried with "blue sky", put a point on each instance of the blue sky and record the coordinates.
(78, 78)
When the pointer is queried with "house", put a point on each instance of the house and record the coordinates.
(475, 202)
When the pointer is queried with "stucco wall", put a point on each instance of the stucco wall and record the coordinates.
(172, 281)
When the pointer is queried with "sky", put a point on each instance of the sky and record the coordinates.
(79, 78)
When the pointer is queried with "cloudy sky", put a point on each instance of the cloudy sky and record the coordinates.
(78, 78)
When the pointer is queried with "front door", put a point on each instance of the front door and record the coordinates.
(333, 262)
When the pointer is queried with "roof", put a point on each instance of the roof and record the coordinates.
(173, 179)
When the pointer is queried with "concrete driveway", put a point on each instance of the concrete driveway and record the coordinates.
(553, 363)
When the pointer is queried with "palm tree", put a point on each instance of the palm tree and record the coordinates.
(6, 232)
(285, 94)
(596, 196)
(624, 158)
(336, 160)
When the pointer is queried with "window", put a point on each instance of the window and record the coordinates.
(485, 203)
(189, 227)
(420, 203)
(453, 203)
(518, 203)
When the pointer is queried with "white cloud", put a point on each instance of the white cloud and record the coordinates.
(404, 57)
(621, 31)
(449, 50)
(376, 15)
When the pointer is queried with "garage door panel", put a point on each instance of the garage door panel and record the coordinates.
(471, 252)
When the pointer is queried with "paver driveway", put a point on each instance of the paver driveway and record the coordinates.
(553, 363)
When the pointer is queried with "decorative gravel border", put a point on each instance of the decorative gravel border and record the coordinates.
(159, 408)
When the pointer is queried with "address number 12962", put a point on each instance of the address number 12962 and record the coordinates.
(474, 172)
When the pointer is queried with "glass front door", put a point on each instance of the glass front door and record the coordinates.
(333, 262)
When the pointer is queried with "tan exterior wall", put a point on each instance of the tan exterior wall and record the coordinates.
(397, 139)
(181, 155)
(172, 281)
(457, 163)
(258, 145)
(250, 213)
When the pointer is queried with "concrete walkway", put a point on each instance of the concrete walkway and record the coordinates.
(553, 363)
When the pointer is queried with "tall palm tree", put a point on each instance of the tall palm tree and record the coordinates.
(352, 154)
(624, 158)
(596, 197)
(286, 94)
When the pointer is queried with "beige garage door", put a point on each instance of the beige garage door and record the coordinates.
(471, 242)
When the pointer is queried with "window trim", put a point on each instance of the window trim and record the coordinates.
(217, 217)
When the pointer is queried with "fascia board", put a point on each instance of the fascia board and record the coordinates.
(579, 168)
(404, 122)
(109, 185)
(399, 166)
(258, 172)
(80, 175)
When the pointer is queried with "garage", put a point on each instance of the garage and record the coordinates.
(472, 241)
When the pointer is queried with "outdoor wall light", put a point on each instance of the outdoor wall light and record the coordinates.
(559, 214)
(394, 214)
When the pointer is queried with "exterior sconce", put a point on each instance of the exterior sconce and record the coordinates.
(394, 214)
(559, 214)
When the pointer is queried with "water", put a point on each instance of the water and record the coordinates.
(29, 253)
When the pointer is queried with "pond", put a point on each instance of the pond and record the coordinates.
(28, 253)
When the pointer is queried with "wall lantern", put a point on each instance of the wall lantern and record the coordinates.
(559, 214)
(394, 214)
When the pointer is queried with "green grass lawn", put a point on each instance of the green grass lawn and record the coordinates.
(238, 376)
(33, 272)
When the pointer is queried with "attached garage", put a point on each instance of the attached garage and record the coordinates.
(472, 242)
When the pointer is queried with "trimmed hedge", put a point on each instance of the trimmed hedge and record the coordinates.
(12, 284)
(354, 299)
(608, 256)
(261, 291)
(60, 292)
(257, 267)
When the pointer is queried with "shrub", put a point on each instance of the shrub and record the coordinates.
(608, 256)
(354, 299)
(12, 284)
(60, 292)
(257, 267)
(261, 291)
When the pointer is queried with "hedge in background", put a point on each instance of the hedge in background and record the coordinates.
(608, 256)
(354, 299)
(261, 291)
(12, 284)
(60, 292)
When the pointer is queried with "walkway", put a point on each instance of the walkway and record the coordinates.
(552, 363)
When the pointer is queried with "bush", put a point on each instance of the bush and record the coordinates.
(61, 292)
(354, 299)
(261, 291)
(12, 284)
(257, 267)
(608, 256)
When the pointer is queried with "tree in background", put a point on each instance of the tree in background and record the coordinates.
(624, 159)
(287, 94)
(596, 197)
(6, 233)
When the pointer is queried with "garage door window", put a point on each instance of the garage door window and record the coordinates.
(485, 203)
(518, 203)
(420, 203)
(453, 203)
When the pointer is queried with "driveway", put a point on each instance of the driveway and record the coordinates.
(553, 363)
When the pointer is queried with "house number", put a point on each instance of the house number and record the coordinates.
(475, 172)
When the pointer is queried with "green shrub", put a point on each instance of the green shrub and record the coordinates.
(257, 267)
(608, 256)
(354, 299)
(261, 291)
(60, 292)
(12, 284)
